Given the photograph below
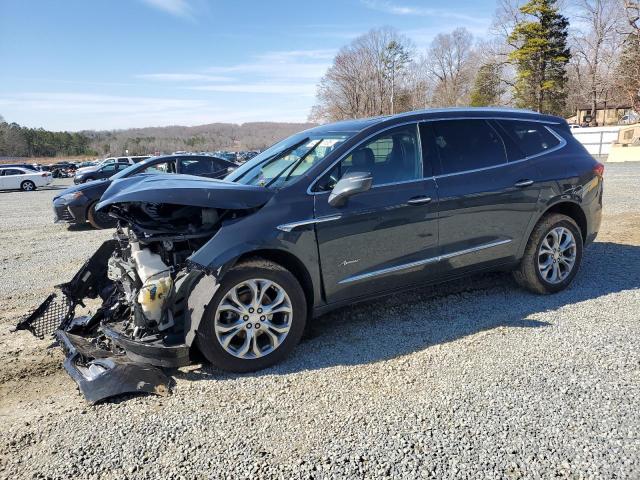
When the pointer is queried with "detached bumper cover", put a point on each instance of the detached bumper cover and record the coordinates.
(101, 374)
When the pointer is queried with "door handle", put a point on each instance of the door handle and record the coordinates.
(419, 200)
(523, 183)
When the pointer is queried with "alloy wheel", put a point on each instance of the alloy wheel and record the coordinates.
(253, 318)
(557, 255)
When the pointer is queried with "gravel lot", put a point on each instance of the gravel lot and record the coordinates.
(474, 379)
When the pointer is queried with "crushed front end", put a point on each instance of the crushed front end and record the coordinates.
(151, 297)
(142, 281)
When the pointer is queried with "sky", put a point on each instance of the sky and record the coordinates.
(111, 64)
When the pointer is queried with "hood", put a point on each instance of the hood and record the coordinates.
(87, 169)
(188, 190)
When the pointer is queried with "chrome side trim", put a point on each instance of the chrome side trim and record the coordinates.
(287, 227)
(419, 263)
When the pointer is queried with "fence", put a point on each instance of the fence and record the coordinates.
(597, 140)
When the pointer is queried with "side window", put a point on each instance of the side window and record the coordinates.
(393, 156)
(531, 137)
(467, 145)
(109, 168)
(163, 167)
(123, 160)
(198, 166)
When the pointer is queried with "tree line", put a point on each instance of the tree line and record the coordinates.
(17, 141)
(533, 58)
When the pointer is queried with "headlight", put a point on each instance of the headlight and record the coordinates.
(69, 197)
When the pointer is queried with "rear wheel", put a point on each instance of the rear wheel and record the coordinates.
(552, 257)
(28, 186)
(255, 319)
(100, 220)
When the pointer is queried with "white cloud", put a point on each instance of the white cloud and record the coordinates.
(178, 8)
(182, 77)
(79, 111)
(275, 88)
(392, 8)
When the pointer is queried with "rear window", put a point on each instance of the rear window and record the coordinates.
(532, 138)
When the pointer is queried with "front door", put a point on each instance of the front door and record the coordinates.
(387, 237)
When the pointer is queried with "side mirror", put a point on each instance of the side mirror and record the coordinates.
(350, 184)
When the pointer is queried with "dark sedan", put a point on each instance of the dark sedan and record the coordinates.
(76, 204)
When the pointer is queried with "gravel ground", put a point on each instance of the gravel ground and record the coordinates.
(473, 379)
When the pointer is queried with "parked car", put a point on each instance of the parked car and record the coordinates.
(574, 126)
(28, 166)
(99, 172)
(334, 215)
(76, 205)
(18, 178)
(113, 160)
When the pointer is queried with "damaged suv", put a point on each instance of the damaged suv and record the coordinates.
(340, 213)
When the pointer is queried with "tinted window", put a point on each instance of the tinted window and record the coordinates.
(467, 145)
(163, 167)
(123, 160)
(392, 156)
(199, 166)
(532, 137)
(109, 168)
(13, 171)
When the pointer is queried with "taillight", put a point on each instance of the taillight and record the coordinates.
(44, 174)
(599, 169)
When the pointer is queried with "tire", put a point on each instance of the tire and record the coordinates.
(27, 186)
(99, 220)
(536, 270)
(218, 316)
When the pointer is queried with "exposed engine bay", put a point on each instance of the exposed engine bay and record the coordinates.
(144, 281)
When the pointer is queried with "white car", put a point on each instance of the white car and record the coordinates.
(119, 160)
(17, 178)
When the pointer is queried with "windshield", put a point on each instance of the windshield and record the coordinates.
(287, 160)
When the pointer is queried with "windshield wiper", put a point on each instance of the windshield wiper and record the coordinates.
(293, 166)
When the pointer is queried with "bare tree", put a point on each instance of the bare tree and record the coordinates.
(450, 64)
(367, 78)
(595, 49)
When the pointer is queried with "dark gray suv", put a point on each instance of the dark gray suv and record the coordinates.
(334, 215)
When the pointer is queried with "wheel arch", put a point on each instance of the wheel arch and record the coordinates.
(569, 208)
(572, 210)
(292, 263)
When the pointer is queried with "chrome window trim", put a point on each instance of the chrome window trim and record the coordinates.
(288, 227)
(426, 261)
(561, 145)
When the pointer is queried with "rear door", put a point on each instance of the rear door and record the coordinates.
(2, 179)
(385, 238)
(486, 202)
(12, 178)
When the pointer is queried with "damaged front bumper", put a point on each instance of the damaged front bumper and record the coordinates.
(101, 358)
(101, 374)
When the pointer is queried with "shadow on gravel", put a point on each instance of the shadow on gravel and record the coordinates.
(416, 320)
(79, 227)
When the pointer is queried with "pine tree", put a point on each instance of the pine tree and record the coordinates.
(487, 88)
(628, 71)
(541, 56)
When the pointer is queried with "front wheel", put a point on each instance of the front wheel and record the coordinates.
(100, 220)
(552, 257)
(255, 319)
(28, 186)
